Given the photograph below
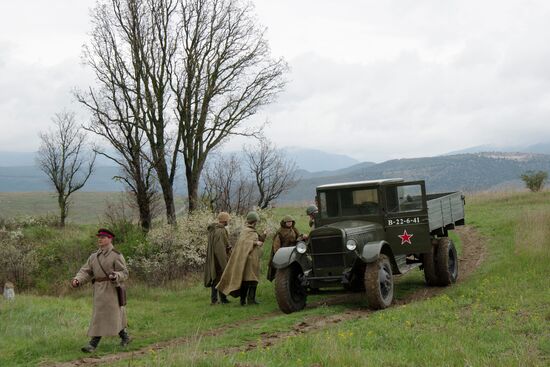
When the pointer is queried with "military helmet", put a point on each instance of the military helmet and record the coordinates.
(252, 217)
(312, 209)
(223, 217)
(288, 218)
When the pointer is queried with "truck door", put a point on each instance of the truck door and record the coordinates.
(406, 218)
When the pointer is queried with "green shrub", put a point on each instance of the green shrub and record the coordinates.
(534, 180)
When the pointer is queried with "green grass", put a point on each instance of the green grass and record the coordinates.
(500, 316)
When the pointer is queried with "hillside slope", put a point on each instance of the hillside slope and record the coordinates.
(465, 172)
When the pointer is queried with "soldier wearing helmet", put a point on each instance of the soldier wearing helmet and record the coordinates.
(217, 253)
(242, 273)
(312, 211)
(286, 236)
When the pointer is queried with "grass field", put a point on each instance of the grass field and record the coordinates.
(500, 316)
(86, 207)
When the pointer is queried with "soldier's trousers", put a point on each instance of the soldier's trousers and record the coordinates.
(248, 292)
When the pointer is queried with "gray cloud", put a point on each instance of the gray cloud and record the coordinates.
(371, 79)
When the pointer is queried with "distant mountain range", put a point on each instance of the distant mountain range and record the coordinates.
(488, 171)
(18, 172)
(470, 172)
(540, 148)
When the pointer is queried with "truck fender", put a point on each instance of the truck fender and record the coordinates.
(371, 250)
(288, 255)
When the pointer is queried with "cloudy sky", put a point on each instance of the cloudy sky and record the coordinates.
(374, 80)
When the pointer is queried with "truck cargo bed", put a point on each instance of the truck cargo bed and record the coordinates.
(445, 210)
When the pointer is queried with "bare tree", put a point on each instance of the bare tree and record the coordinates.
(131, 50)
(66, 158)
(119, 129)
(192, 71)
(226, 187)
(273, 172)
(223, 74)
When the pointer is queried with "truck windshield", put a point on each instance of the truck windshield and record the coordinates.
(350, 201)
(404, 198)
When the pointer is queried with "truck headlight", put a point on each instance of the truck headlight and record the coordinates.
(301, 247)
(351, 245)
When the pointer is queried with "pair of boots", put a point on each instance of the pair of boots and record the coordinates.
(94, 342)
(214, 296)
(248, 293)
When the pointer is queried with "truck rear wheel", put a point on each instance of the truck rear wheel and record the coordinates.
(379, 283)
(289, 291)
(446, 264)
(428, 263)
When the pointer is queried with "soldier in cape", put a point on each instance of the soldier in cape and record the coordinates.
(216, 256)
(106, 269)
(242, 273)
(286, 236)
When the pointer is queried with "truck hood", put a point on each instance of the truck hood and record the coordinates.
(349, 227)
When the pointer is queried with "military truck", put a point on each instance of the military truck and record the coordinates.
(365, 233)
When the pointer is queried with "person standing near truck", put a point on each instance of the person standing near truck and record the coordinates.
(286, 236)
(107, 270)
(311, 212)
(242, 273)
(216, 256)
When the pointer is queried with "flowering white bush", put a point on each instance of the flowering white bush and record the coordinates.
(48, 220)
(18, 259)
(170, 252)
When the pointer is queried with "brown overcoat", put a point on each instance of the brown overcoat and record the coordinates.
(284, 237)
(216, 253)
(108, 318)
(243, 264)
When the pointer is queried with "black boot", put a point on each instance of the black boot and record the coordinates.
(124, 338)
(213, 295)
(92, 345)
(251, 299)
(223, 298)
(244, 290)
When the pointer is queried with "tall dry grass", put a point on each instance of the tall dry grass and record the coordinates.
(532, 235)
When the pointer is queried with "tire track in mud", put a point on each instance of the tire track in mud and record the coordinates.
(472, 256)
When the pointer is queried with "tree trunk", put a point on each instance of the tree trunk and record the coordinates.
(192, 189)
(167, 192)
(144, 207)
(168, 195)
(62, 201)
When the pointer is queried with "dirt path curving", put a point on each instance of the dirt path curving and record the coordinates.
(473, 254)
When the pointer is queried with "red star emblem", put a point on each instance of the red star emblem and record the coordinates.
(405, 237)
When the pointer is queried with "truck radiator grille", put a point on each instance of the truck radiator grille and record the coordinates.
(327, 252)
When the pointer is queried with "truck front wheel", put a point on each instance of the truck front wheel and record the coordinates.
(289, 291)
(379, 283)
(446, 264)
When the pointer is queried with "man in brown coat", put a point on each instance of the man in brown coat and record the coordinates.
(286, 236)
(106, 269)
(242, 273)
(216, 256)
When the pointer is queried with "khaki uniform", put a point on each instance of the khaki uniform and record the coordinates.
(284, 237)
(216, 253)
(244, 263)
(108, 318)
